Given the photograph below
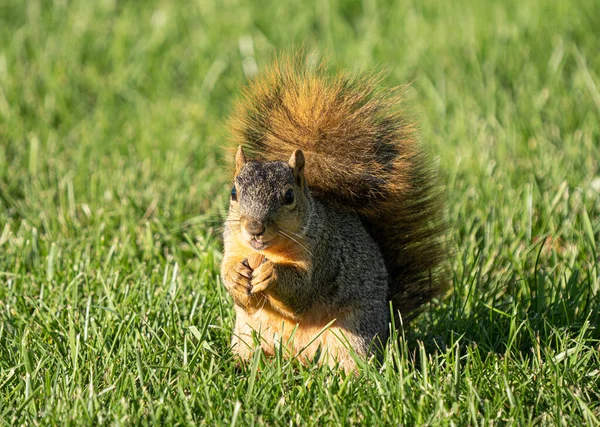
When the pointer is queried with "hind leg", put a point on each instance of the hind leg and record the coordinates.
(359, 336)
(251, 332)
(337, 346)
(242, 342)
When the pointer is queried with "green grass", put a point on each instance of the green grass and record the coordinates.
(111, 127)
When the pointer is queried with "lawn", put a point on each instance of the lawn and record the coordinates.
(112, 183)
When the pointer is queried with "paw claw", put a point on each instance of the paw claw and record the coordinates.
(262, 277)
(258, 288)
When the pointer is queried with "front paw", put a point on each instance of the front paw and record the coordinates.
(263, 277)
(237, 282)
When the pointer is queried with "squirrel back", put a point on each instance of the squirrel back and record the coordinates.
(363, 155)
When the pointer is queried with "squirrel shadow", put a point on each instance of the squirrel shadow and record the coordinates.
(541, 313)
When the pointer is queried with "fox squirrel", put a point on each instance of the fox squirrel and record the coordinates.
(317, 246)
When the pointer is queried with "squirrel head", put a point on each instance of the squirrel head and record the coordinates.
(269, 201)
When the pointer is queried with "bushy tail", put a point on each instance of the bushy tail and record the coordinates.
(360, 152)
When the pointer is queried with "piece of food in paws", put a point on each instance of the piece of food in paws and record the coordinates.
(254, 260)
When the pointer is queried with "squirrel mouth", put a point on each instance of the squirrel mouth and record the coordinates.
(258, 245)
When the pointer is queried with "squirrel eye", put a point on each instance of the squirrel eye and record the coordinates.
(234, 194)
(288, 197)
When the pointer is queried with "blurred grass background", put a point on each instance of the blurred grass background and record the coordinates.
(112, 119)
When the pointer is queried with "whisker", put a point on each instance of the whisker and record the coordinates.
(289, 235)
(264, 302)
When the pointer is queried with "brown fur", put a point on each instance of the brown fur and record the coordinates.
(320, 268)
(303, 340)
(361, 153)
(284, 252)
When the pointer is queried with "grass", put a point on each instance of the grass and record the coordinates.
(111, 126)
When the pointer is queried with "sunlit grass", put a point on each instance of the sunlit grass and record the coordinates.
(111, 176)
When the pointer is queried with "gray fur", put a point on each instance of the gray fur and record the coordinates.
(348, 278)
(261, 186)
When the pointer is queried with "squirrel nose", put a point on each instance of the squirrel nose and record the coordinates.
(256, 228)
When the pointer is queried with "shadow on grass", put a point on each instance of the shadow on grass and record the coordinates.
(536, 310)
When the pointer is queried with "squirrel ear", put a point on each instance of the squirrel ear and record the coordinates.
(297, 162)
(240, 160)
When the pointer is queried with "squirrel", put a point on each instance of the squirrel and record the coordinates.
(335, 213)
